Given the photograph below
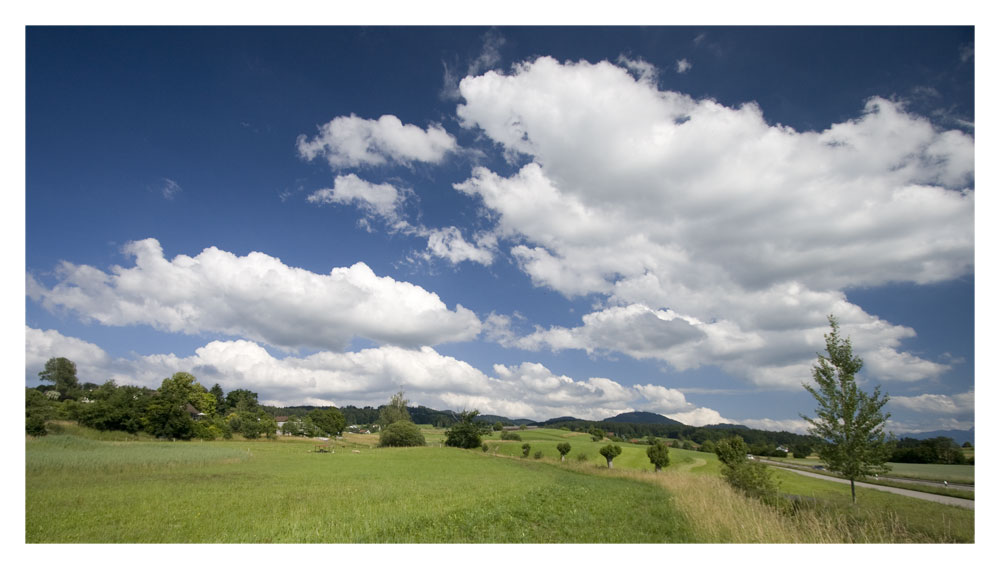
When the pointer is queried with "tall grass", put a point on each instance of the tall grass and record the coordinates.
(719, 514)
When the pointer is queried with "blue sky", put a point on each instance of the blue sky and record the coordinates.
(532, 222)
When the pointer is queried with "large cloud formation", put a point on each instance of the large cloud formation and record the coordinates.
(714, 237)
(369, 377)
(256, 297)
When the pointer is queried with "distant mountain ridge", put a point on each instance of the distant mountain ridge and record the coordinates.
(425, 415)
(642, 418)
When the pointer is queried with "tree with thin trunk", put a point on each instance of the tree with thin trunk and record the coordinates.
(563, 449)
(395, 411)
(609, 452)
(849, 421)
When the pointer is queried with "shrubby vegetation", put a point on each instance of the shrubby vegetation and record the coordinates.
(401, 434)
(467, 432)
(751, 478)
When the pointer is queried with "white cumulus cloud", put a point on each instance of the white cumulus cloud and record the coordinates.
(42, 345)
(368, 377)
(936, 403)
(352, 141)
(382, 200)
(747, 231)
(256, 297)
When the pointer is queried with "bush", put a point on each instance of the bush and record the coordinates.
(525, 449)
(206, 431)
(34, 425)
(466, 433)
(752, 478)
(582, 457)
(401, 434)
(486, 447)
(509, 436)
(538, 454)
(659, 455)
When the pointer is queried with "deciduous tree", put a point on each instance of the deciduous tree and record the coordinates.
(329, 421)
(849, 421)
(466, 433)
(609, 452)
(563, 449)
(61, 372)
(659, 455)
(395, 411)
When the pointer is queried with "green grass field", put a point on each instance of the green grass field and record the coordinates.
(88, 487)
(85, 491)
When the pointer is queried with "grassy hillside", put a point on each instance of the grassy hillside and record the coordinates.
(633, 456)
(80, 489)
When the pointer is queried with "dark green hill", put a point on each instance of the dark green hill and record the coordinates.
(642, 418)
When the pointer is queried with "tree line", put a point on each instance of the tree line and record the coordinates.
(180, 408)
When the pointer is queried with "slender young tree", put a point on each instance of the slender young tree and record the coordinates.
(394, 411)
(849, 421)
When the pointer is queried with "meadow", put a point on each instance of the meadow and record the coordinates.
(87, 487)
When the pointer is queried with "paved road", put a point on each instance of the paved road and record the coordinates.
(953, 486)
(960, 502)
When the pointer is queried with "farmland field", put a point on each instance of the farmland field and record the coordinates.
(83, 490)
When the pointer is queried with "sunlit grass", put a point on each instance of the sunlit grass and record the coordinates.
(282, 492)
(84, 490)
